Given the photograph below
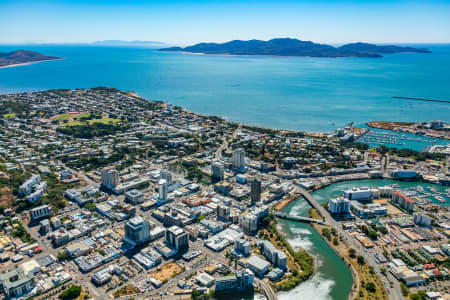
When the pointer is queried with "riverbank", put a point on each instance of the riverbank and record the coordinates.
(313, 213)
(285, 202)
(300, 262)
(332, 278)
(363, 274)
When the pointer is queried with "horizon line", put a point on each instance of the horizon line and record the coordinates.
(93, 43)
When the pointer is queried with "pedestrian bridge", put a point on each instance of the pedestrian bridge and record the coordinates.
(298, 218)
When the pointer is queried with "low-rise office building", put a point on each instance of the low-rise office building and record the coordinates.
(134, 196)
(277, 257)
(16, 283)
(339, 206)
(404, 201)
(258, 265)
(40, 212)
(242, 280)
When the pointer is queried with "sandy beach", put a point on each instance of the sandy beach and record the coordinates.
(27, 63)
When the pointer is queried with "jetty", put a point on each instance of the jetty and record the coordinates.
(420, 99)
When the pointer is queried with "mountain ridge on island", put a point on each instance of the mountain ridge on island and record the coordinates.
(20, 57)
(294, 47)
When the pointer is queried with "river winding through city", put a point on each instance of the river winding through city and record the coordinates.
(333, 279)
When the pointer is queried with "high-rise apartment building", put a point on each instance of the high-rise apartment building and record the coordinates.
(166, 175)
(163, 188)
(339, 206)
(255, 192)
(238, 158)
(137, 231)
(217, 170)
(223, 211)
(177, 238)
(110, 177)
(242, 280)
(249, 223)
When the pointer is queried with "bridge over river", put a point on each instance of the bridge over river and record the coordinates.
(298, 218)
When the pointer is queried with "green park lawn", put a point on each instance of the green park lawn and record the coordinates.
(62, 116)
(10, 115)
(104, 120)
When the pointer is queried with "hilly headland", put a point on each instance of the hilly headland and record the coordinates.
(22, 57)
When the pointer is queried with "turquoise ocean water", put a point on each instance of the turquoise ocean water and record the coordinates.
(300, 93)
(312, 94)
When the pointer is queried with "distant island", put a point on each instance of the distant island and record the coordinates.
(294, 47)
(22, 57)
(152, 44)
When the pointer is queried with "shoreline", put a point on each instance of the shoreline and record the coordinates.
(28, 63)
(316, 134)
(277, 56)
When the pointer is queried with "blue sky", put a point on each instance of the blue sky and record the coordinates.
(185, 22)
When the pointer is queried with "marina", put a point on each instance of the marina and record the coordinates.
(420, 192)
(377, 137)
(427, 195)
